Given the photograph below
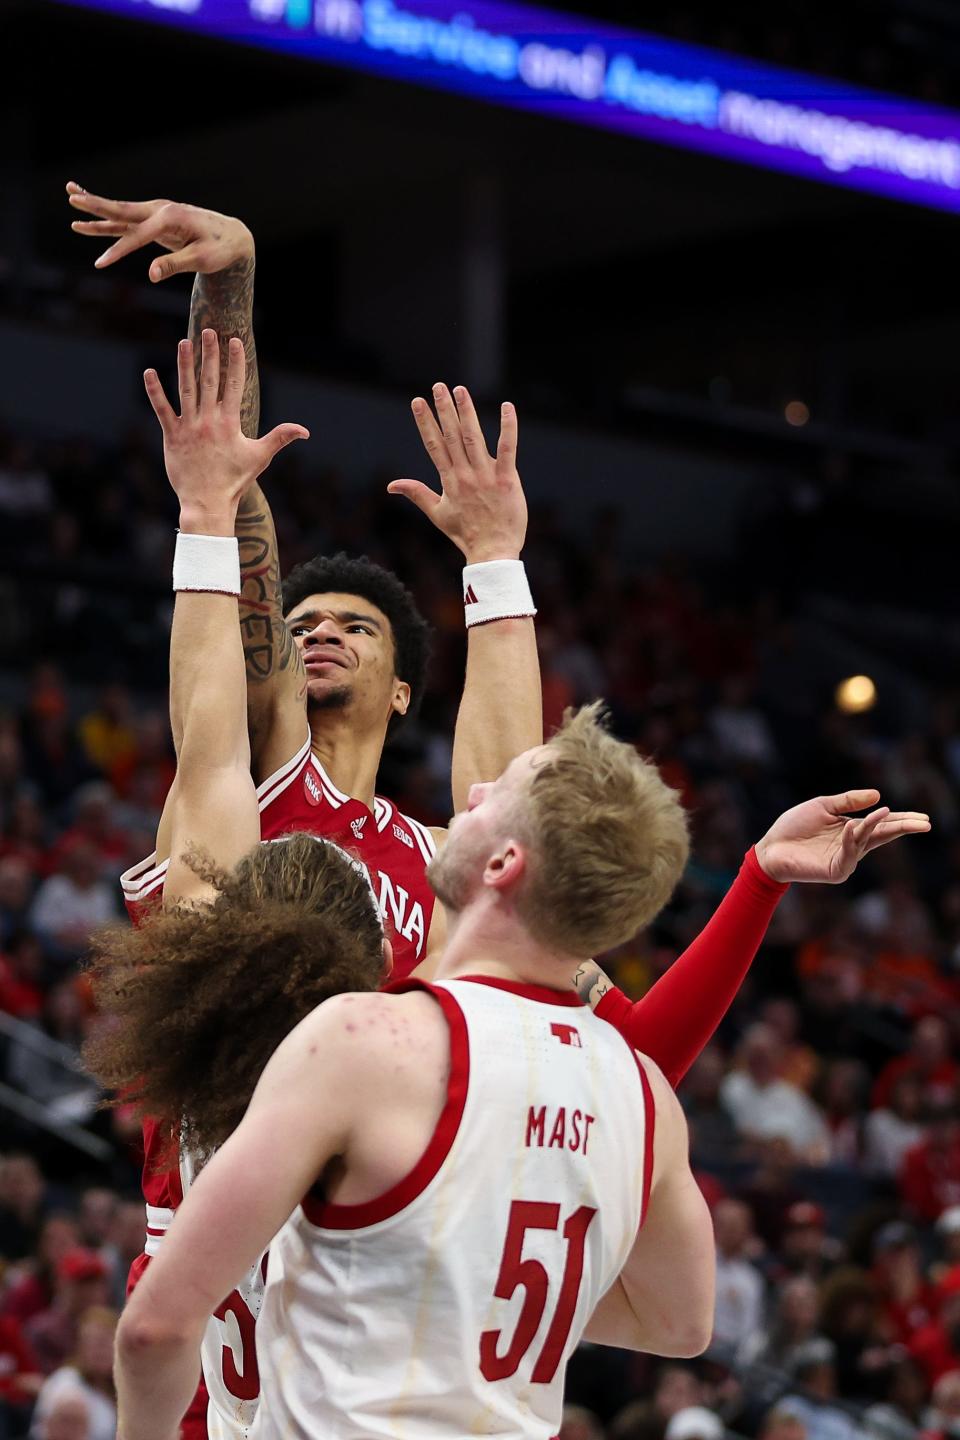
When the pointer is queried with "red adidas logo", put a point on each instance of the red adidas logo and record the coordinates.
(469, 596)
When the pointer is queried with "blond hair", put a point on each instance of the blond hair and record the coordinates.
(608, 839)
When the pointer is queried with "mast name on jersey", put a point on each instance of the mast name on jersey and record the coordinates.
(539, 1128)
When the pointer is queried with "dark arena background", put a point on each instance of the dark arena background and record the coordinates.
(711, 256)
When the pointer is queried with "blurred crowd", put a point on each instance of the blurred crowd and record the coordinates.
(825, 1118)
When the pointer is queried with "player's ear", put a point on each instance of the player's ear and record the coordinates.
(387, 958)
(506, 866)
(401, 697)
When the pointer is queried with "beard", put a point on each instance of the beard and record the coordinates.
(452, 877)
(337, 698)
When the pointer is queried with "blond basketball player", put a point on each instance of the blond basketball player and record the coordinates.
(467, 1176)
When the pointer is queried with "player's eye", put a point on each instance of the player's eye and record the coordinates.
(364, 629)
(299, 630)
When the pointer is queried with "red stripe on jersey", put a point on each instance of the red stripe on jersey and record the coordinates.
(649, 1125)
(541, 993)
(399, 1196)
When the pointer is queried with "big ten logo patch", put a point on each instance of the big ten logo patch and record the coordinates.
(567, 1035)
(402, 835)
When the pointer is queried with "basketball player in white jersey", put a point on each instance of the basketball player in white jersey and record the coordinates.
(468, 1176)
(252, 936)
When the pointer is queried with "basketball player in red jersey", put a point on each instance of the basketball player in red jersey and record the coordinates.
(337, 658)
(677, 1018)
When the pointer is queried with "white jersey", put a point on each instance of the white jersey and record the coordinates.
(228, 1353)
(450, 1305)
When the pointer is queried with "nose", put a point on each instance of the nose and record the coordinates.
(325, 632)
(476, 795)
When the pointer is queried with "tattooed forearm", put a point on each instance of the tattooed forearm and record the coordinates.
(268, 646)
(224, 302)
(591, 984)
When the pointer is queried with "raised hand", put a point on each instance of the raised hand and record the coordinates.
(201, 241)
(210, 462)
(481, 505)
(818, 842)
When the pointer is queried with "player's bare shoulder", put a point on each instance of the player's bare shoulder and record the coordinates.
(384, 1044)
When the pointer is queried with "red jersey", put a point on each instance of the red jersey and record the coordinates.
(393, 848)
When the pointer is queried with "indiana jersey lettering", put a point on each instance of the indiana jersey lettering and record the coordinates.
(451, 1304)
(394, 848)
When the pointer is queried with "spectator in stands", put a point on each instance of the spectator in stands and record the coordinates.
(739, 1306)
(107, 733)
(675, 1388)
(67, 1419)
(21, 976)
(94, 823)
(20, 1377)
(843, 1092)
(815, 1389)
(24, 833)
(73, 903)
(928, 1058)
(796, 1319)
(580, 1424)
(16, 892)
(930, 1174)
(907, 1299)
(942, 1421)
(850, 1319)
(936, 1347)
(125, 1243)
(765, 1107)
(781, 1423)
(713, 1137)
(798, 1063)
(89, 1372)
(893, 1129)
(22, 1195)
(901, 1413)
(33, 1283)
(805, 1247)
(695, 1423)
(81, 1285)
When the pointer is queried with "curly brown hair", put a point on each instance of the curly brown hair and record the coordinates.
(195, 1001)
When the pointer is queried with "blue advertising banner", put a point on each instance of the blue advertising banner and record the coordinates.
(590, 73)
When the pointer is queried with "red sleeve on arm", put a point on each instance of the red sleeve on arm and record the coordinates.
(678, 1017)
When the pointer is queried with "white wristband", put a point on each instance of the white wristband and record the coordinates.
(496, 590)
(207, 562)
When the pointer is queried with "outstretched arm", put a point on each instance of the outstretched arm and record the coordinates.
(813, 842)
(220, 250)
(209, 463)
(482, 509)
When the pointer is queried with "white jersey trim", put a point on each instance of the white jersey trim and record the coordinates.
(276, 783)
(428, 846)
(336, 797)
(141, 880)
(401, 1196)
(159, 1221)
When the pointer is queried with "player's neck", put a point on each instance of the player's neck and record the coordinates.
(350, 757)
(487, 940)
